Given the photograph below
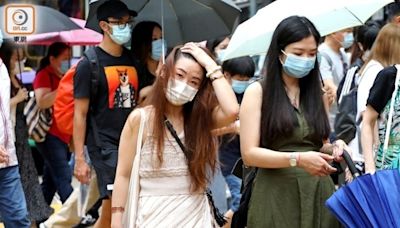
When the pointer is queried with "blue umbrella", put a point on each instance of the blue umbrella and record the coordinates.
(369, 201)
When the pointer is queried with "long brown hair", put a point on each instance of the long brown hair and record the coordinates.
(200, 144)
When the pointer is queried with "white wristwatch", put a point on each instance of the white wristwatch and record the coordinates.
(293, 159)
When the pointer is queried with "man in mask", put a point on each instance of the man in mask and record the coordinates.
(334, 64)
(100, 118)
(12, 199)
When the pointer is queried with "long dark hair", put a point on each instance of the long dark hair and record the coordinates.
(55, 50)
(278, 118)
(142, 38)
(200, 144)
(365, 35)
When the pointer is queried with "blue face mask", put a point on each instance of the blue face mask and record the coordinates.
(157, 47)
(239, 86)
(120, 36)
(64, 66)
(348, 40)
(296, 66)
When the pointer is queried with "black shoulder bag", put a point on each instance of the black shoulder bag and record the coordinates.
(219, 218)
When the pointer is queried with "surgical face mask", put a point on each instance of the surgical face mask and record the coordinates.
(157, 47)
(298, 67)
(239, 86)
(64, 66)
(348, 40)
(120, 35)
(179, 93)
(220, 55)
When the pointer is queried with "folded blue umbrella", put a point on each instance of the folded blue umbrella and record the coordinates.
(369, 201)
(387, 184)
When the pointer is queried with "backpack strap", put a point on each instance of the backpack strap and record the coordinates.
(348, 81)
(91, 55)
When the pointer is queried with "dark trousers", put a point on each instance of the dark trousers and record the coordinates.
(57, 173)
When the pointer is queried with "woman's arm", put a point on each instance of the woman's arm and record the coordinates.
(233, 128)
(253, 155)
(227, 110)
(19, 97)
(370, 117)
(45, 97)
(126, 155)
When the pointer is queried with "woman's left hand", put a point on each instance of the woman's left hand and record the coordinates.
(200, 55)
(337, 151)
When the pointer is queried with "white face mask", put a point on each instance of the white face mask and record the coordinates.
(179, 93)
(220, 55)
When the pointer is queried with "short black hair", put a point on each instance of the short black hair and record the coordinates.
(367, 34)
(242, 65)
(393, 10)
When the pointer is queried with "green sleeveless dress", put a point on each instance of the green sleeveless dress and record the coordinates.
(290, 197)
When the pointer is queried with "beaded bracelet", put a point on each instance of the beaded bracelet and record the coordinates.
(213, 71)
(213, 78)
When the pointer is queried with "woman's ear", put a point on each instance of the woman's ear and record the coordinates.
(360, 46)
(161, 70)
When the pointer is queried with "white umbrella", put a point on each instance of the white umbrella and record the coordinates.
(254, 35)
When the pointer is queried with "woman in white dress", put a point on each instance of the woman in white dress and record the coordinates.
(168, 188)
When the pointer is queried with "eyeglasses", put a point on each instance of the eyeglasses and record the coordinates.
(123, 25)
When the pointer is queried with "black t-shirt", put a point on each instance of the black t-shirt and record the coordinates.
(117, 93)
(382, 90)
(229, 150)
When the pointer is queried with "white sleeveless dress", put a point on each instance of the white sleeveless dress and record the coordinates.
(165, 199)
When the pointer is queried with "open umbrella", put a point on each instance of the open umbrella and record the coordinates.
(254, 35)
(47, 20)
(82, 36)
(369, 201)
(183, 20)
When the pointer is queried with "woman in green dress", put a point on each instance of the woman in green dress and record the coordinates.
(284, 130)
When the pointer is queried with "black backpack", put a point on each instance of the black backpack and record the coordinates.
(346, 123)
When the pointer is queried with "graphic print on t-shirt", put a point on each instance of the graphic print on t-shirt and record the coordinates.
(122, 86)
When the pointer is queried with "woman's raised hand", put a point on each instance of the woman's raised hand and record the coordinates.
(200, 55)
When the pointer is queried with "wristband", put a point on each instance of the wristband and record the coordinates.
(117, 209)
(213, 71)
(218, 76)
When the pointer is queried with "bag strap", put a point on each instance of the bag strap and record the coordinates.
(347, 83)
(132, 201)
(218, 216)
(91, 55)
(391, 112)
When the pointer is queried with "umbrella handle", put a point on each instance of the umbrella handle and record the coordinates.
(350, 164)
